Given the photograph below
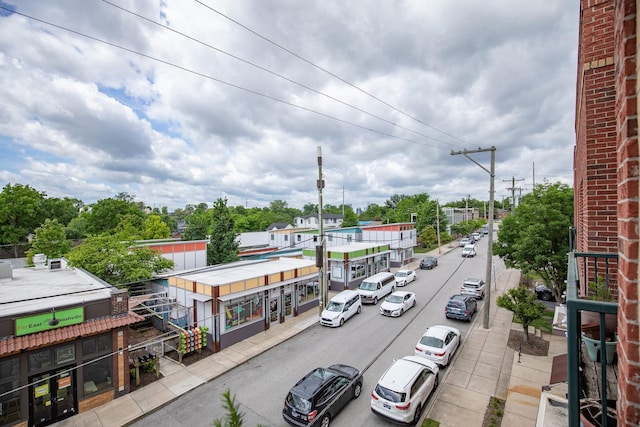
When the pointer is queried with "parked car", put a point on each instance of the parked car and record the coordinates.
(428, 263)
(377, 287)
(438, 344)
(397, 303)
(461, 307)
(469, 251)
(321, 394)
(477, 235)
(403, 390)
(473, 287)
(341, 308)
(465, 241)
(544, 293)
(404, 277)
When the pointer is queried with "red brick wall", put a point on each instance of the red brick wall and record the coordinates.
(627, 210)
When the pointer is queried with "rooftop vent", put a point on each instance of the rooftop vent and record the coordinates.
(39, 260)
(56, 264)
(6, 272)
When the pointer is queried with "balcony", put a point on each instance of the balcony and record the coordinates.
(584, 268)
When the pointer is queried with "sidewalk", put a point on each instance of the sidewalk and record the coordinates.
(485, 367)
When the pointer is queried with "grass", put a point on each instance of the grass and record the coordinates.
(430, 423)
(544, 323)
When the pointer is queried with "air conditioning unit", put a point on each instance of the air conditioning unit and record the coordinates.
(55, 264)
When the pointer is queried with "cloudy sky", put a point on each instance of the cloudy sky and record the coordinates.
(179, 102)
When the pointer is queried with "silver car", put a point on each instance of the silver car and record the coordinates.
(473, 287)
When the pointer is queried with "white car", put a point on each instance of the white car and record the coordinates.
(469, 251)
(404, 277)
(403, 390)
(438, 344)
(397, 303)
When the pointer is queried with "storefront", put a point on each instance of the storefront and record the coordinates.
(243, 299)
(64, 335)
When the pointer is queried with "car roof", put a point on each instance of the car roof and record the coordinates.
(400, 374)
(401, 293)
(313, 381)
(344, 295)
(404, 271)
(469, 246)
(460, 297)
(439, 331)
(474, 281)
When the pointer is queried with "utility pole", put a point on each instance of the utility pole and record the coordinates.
(320, 253)
(438, 224)
(487, 300)
(513, 191)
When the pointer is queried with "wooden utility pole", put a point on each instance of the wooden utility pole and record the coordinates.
(487, 299)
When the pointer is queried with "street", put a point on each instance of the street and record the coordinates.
(368, 341)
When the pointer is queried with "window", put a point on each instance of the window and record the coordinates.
(308, 291)
(40, 360)
(298, 237)
(286, 237)
(273, 237)
(357, 270)
(241, 310)
(97, 374)
(10, 384)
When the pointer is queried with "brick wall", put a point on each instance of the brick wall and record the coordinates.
(95, 401)
(626, 44)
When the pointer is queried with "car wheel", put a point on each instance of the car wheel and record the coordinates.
(545, 297)
(416, 415)
(414, 303)
(375, 300)
(341, 321)
(326, 420)
(359, 309)
(357, 390)
(401, 311)
(435, 383)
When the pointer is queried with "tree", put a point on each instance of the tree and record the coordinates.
(130, 227)
(20, 214)
(107, 213)
(197, 226)
(115, 261)
(223, 246)
(350, 218)
(534, 238)
(77, 227)
(50, 239)
(155, 228)
(64, 210)
(523, 305)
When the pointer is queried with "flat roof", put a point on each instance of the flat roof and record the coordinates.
(246, 271)
(33, 289)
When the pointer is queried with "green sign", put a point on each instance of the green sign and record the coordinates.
(43, 322)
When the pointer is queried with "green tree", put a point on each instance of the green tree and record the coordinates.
(50, 239)
(350, 218)
(20, 214)
(64, 210)
(197, 226)
(428, 236)
(523, 305)
(77, 227)
(107, 213)
(115, 261)
(534, 238)
(155, 228)
(223, 246)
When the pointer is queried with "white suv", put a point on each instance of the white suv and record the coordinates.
(403, 390)
(473, 287)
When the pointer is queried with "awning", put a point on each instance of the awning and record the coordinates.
(201, 297)
(264, 288)
(559, 369)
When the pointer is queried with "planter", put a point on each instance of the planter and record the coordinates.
(593, 348)
(591, 413)
(591, 318)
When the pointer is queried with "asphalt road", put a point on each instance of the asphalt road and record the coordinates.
(368, 341)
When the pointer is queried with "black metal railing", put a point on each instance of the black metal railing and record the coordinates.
(584, 268)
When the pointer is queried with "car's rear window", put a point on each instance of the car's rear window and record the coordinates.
(431, 342)
(301, 404)
(390, 395)
(471, 285)
(456, 304)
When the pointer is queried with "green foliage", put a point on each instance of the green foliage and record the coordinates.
(130, 227)
(600, 291)
(115, 261)
(428, 236)
(106, 214)
(197, 226)
(234, 417)
(523, 305)
(20, 213)
(155, 228)
(64, 210)
(50, 239)
(223, 246)
(535, 237)
(77, 227)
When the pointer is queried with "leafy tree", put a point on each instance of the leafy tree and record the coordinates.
(523, 305)
(309, 208)
(50, 239)
(223, 246)
(115, 261)
(197, 226)
(64, 210)
(130, 227)
(155, 228)
(77, 227)
(20, 213)
(107, 213)
(350, 218)
(373, 212)
(428, 236)
(534, 238)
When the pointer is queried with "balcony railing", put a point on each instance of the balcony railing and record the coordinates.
(584, 268)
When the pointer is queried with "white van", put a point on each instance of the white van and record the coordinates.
(377, 287)
(340, 308)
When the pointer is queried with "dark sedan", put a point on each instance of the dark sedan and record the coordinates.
(544, 293)
(428, 263)
(321, 394)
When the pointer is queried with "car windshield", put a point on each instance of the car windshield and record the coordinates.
(335, 306)
(401, 274)
(431, 342)
(301, 404)
(390, 395)
(394, 299)
(368, 286)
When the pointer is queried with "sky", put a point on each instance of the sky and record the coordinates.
(183, 102)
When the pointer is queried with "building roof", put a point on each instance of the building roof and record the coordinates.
(279, 226)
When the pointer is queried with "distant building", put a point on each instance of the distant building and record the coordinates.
(329, 220)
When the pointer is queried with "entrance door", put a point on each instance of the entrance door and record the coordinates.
(288, 304)
(52, 397)
(274, 315)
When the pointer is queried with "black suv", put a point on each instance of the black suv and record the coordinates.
(461, 307)
(428, 263)
(321, 394)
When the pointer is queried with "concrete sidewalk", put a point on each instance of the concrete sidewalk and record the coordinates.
(484, 367)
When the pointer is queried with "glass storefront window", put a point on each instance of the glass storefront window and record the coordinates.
(40, 360)
(10, 384)
(65, 354)
(97, 375)
(308, 291)
(357, 271)
(243, 310)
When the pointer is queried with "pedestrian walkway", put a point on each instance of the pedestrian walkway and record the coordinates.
(484, 367)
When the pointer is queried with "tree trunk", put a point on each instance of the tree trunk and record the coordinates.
(526, 333)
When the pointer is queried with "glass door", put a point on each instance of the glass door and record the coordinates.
(52, 397)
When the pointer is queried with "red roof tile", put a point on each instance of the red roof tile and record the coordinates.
(40, 339)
